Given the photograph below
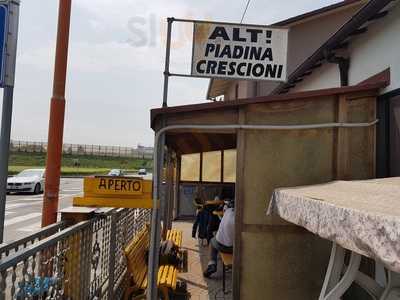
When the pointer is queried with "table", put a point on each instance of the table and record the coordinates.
(360, 216)
(218, 213)
(214, 202)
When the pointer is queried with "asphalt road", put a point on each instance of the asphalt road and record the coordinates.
(24, 211)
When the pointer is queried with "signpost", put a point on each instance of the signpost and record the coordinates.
(123, 192)
(232, 51)
(239, 51)
(9, 19)
(3, 37)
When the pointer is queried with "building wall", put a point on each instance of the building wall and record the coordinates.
(246, 89)
(231, 92)
(307, 37)
(304, 39)
(370, 53)
(377, 50)
(279, 260)
(327, 76)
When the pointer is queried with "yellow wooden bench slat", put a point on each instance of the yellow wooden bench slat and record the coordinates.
(227, 258)
(143, 277)
(175, 236)
(135, 253)
(164, 275)
(180, 239)
(171, 275)
(161, 272)
(167, 277)
(177, 239)
(144, 283)
(174, 279)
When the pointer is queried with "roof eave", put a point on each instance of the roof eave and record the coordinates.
(359, 19)
(300, 18)
(155, 113)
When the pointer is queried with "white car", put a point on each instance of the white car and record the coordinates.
(142, 172)
(31, 181)
(116, 172)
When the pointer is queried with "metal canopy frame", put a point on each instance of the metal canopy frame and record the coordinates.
(168, 74)
(159, 142)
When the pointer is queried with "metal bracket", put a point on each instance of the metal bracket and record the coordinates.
(344, 66)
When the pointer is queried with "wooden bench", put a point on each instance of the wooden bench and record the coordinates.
(136, 254)
(227, 261)
(175, 236)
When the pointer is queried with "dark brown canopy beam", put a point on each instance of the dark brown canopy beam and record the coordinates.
(196, 142)
(359, 31)
(379, 15)
(354, 26)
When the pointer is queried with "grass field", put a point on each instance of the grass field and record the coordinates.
(88, 165)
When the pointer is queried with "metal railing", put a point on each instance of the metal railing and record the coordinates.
(83, 261)
(11, 247)
(81, 149)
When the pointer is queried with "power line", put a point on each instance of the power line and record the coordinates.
(245, 11)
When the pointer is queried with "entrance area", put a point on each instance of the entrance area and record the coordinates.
(199, 183)
(206, 175)
(280, 141)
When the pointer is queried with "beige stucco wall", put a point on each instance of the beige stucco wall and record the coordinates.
(307, 37)
(370, 53)
(377, 50)
(246, 89)
(304, 39)
(282, 265)
(327, 76)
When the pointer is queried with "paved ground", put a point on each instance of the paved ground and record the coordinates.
(24, 211)
(199, 287)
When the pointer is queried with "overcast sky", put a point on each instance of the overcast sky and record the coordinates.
(116, 63)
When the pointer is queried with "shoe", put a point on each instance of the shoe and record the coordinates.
(211, 269)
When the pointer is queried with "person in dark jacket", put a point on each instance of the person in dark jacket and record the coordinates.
(223, 240)
(199, 229)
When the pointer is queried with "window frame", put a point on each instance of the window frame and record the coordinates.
(222, 179)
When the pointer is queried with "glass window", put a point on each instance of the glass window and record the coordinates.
(230, 165)
(212, 166)
(190, 167)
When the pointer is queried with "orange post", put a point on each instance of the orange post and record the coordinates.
(56, 122)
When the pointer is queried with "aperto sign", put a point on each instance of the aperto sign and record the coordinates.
(239, 51)
(3, 40)
(124, 192)
(115, 186)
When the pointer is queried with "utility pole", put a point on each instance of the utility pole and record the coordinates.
(9, 29)
(57, 113)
